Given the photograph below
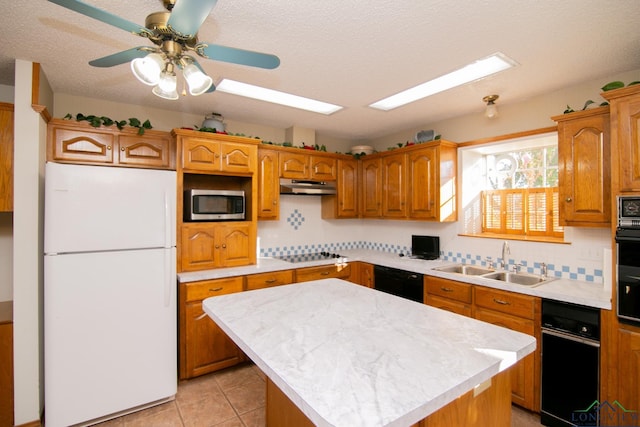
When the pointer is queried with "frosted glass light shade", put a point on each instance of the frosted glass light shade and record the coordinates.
(148, 69)
(491, 111)
(166, 87)
(198, 81)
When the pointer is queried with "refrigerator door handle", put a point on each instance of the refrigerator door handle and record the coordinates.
(168, 282)
(167, 220)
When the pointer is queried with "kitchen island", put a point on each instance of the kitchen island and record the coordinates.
(345, 355)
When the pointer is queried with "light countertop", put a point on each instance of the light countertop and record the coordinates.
(591, 294)
(351, 356)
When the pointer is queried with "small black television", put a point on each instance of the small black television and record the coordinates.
(425, 247)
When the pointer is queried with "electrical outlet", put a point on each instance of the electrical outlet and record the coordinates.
(591, 253)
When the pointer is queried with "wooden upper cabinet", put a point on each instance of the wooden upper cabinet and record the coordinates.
(268, 184)
(394, 186)
(584, 168)
(422, 179)
(207, 155)
(307, 166)
(625, 136)
(344, 204)
(371, 184)
(6, 157)
(74, 142)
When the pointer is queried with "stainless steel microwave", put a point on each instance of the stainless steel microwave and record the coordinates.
(214, 205)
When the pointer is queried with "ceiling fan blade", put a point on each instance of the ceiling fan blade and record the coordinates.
(101, 15)
(188, 15)
(239, 56)
(120, 57)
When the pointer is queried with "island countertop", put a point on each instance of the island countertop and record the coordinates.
(347, 355)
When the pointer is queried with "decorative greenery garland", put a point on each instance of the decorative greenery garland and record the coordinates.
(97, 121)
(605, 88)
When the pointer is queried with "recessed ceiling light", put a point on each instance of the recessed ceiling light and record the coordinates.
(276, 97)
(474, 71)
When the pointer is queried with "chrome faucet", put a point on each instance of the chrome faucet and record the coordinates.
(505, 251)
(543, 270)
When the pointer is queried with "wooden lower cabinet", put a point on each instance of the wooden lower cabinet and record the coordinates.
(267, 280)
(6, 364)
(490, 407)
(519, 313)
(628, 365)
(449, 295)
(366, 274)
(342, 271)
(203, 346)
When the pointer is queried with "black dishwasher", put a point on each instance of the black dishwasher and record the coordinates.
(570, 364)
(405, 284)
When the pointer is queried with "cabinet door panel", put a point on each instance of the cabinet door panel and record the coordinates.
(294, 166)
(208, 347)
(371, 188)
(73, 145)
(522, 374)
(198, 248)
(394, 184)
(200, 155)
(323, 168)
(6, 157)
(628, 364)
(584, 170)
(422, 170)
(347, 193)
(144, 151)
(268, 185)
(234, 242)
(238, 158)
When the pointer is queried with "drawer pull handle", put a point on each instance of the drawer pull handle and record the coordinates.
(325, 273)
(501, 302)
(215, 289)
(270, 281)
(446, 289)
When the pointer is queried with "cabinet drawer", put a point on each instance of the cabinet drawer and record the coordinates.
(323, 272)
(507, 302)
(265, 280)
(197, 291)
(448, 289)
(448, 304)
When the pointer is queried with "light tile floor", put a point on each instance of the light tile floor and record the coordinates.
(234, 397)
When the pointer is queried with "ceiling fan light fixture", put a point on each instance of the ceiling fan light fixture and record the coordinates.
(148, 69)
(197, 81)
(166, 87)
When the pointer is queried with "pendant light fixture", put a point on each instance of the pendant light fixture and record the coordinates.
(491, 111)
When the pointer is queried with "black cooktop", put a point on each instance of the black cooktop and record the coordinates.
(315, 256)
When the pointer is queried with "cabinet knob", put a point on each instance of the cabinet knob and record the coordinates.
(568, 199)
(108, 147)
(122, 149)
(217, 246)
(224, 246)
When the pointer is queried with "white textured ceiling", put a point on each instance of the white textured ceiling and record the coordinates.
(346, 52)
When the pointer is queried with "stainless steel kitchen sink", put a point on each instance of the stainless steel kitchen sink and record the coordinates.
(469, 270)
(523, 279)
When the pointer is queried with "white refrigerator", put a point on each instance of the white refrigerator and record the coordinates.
(110, 323)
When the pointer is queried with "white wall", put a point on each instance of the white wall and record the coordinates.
(6, 94)
(29, 156)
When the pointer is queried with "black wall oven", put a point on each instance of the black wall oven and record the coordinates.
(628, 259)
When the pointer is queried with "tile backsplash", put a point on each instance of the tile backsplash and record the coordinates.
(301, 230)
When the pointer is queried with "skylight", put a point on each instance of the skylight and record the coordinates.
(276, 97)
(474, 71)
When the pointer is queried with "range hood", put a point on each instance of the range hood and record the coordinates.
(314, 188)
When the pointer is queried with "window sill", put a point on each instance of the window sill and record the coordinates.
(541, 239)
